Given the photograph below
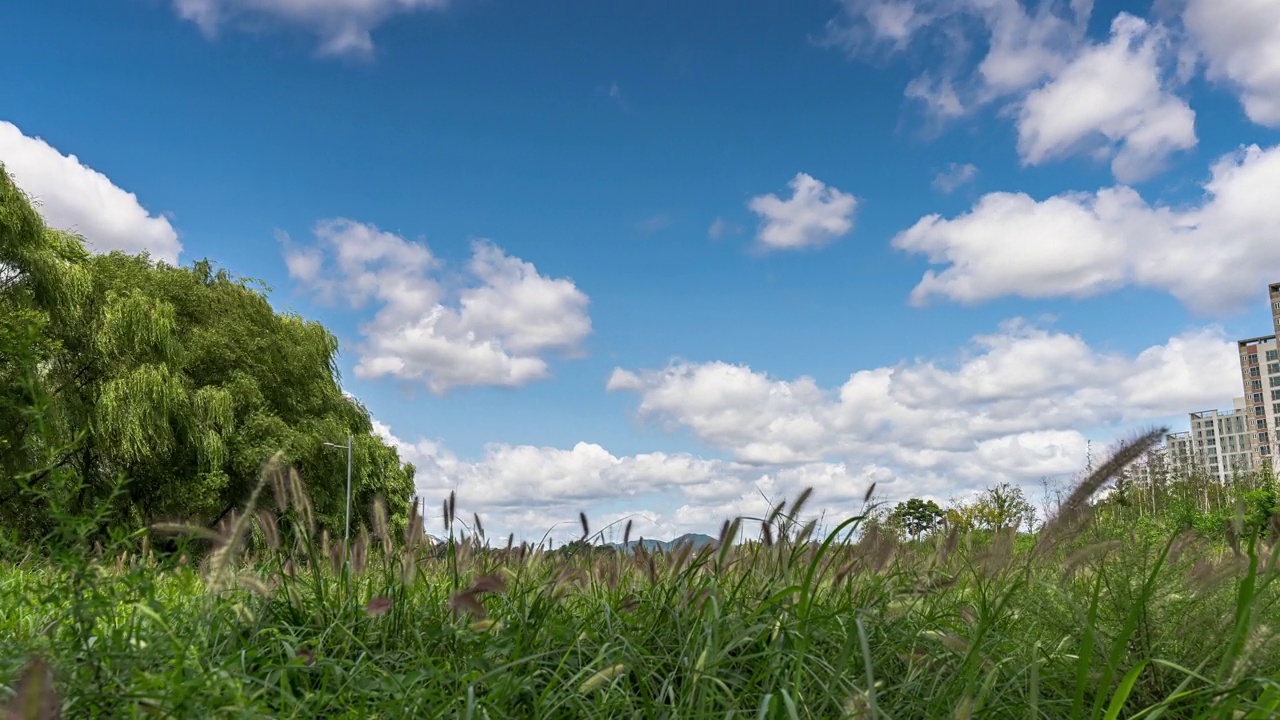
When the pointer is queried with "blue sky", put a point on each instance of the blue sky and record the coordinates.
(638, 290)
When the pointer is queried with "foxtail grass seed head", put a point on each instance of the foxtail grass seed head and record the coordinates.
(377, 606)
(478, 525)
(469, 603)
(586, 529)
(360, 553)
(626, 535)
(270, 528)
(602, 679)
(453, 506)
(870, 491)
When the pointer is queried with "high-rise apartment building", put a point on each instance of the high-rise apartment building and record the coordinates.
(1247, 438)
(1260, 371)
(1219, 443)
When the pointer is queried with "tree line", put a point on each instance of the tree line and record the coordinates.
(150, 391)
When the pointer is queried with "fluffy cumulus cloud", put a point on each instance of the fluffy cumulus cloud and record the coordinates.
(72, 196)
(343, 26)
(1212, 255)
(814, 215)
(1023, 390)
(1013, 407)
(530, 490)
(1239, 41)
(1068, 95)
(495, 330)
(1110, 98)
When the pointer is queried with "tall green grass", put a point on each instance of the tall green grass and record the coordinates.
(266, 616)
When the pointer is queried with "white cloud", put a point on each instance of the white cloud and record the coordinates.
(72, 196)
(1213, 256)
(343, 26)
(814, 215)
(1240, 42)
(530, 490)
(492, 332)
(1112, 94)
(1014, 407)
(1024, 391)
(955, 176)
(1068, 95)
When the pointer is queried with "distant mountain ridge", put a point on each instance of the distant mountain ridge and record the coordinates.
(697, 540)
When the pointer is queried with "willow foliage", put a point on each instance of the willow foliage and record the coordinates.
(182, 380)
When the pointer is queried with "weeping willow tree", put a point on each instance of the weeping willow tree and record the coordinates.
(181, 380)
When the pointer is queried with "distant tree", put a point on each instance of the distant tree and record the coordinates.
(1001, 507)
(916, 516)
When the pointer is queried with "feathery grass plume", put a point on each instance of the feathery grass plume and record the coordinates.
(489, 626)
(999, 554)
(775, 512)
(797, 507)
(380, 532)
(1077, 503)
(270, 528)
(360, 553)
(302, 503)
(626, 535)
(254, 585)
(413, 528)
(222, 558)
(629, 604)
(280, 490)
(453, 506)
(469, 603)
(870, 491)
(679, 555)
(766, 533)
(492, 583)
(478, 525)
(444, 515)
(727, 538)
(34, 697)
(377, 606)
(601, 679)
(203, 533)
(806, 532)
(586, 530)
(951, 641)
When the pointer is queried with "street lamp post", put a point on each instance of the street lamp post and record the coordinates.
(346, 537)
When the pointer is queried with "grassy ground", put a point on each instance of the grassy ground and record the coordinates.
(274, 621)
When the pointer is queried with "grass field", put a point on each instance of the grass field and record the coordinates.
(1084, 620)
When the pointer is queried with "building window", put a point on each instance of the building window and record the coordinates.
(1273, 355)
(1253, 358)
(1260, 411)
(1257, 384)
(1275, 394)
(1254, 371)
(1276, 408)
(1257, 397)
(1264, 450)
(1273, 368)
(1275, 381)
